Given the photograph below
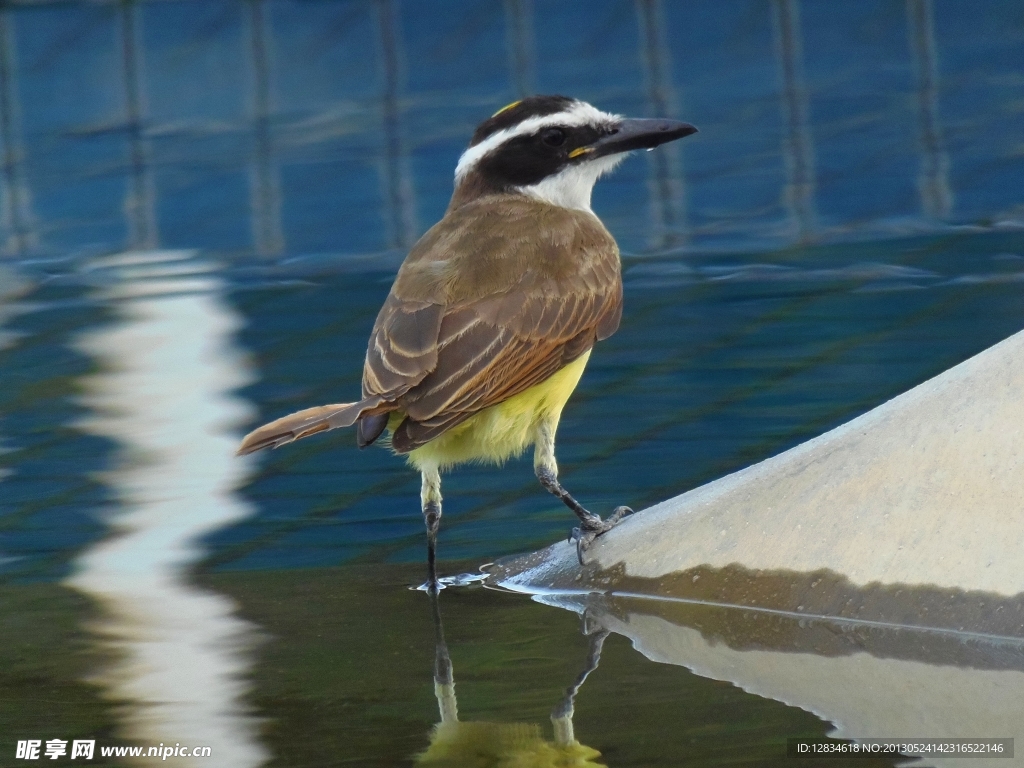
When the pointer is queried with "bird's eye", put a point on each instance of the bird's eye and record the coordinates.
(553, 137)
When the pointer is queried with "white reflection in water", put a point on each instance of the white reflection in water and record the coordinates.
(168, 369)
(12, 288)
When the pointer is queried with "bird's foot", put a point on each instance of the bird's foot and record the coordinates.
(593, 526)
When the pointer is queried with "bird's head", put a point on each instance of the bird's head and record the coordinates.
(553, 148)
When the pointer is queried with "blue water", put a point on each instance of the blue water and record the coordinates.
(720, 361)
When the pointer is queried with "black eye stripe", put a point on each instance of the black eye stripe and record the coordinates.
(583, 135)
(526, 159)
(553, 137)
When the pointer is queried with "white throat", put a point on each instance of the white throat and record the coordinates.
(572, 186)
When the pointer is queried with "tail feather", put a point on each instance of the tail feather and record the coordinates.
(304, 423)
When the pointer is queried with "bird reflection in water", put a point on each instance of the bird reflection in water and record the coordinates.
(454, 743)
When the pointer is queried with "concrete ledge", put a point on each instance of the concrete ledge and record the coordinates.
(921, 499)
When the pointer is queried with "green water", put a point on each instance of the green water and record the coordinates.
(343, 675)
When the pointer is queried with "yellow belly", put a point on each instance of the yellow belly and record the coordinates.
(506, 429)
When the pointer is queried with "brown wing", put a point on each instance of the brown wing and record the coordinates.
(492, 301)
(403, 346)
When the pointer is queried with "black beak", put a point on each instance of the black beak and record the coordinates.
(640, 133)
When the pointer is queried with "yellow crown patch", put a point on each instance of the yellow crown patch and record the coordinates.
(507, 107)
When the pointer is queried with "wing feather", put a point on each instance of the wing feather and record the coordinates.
(402, 348)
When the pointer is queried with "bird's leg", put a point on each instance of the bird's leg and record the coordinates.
(430, 501)
(444, 677)
(561, 715)
(546, 468)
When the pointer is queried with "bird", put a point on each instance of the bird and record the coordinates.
(494, 312)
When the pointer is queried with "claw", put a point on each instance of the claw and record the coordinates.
(617, 514)
(578, 536)
(592, 527)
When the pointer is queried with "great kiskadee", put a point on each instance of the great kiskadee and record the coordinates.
(493, 314)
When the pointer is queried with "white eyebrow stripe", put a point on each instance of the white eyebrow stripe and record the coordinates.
(580, 113)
